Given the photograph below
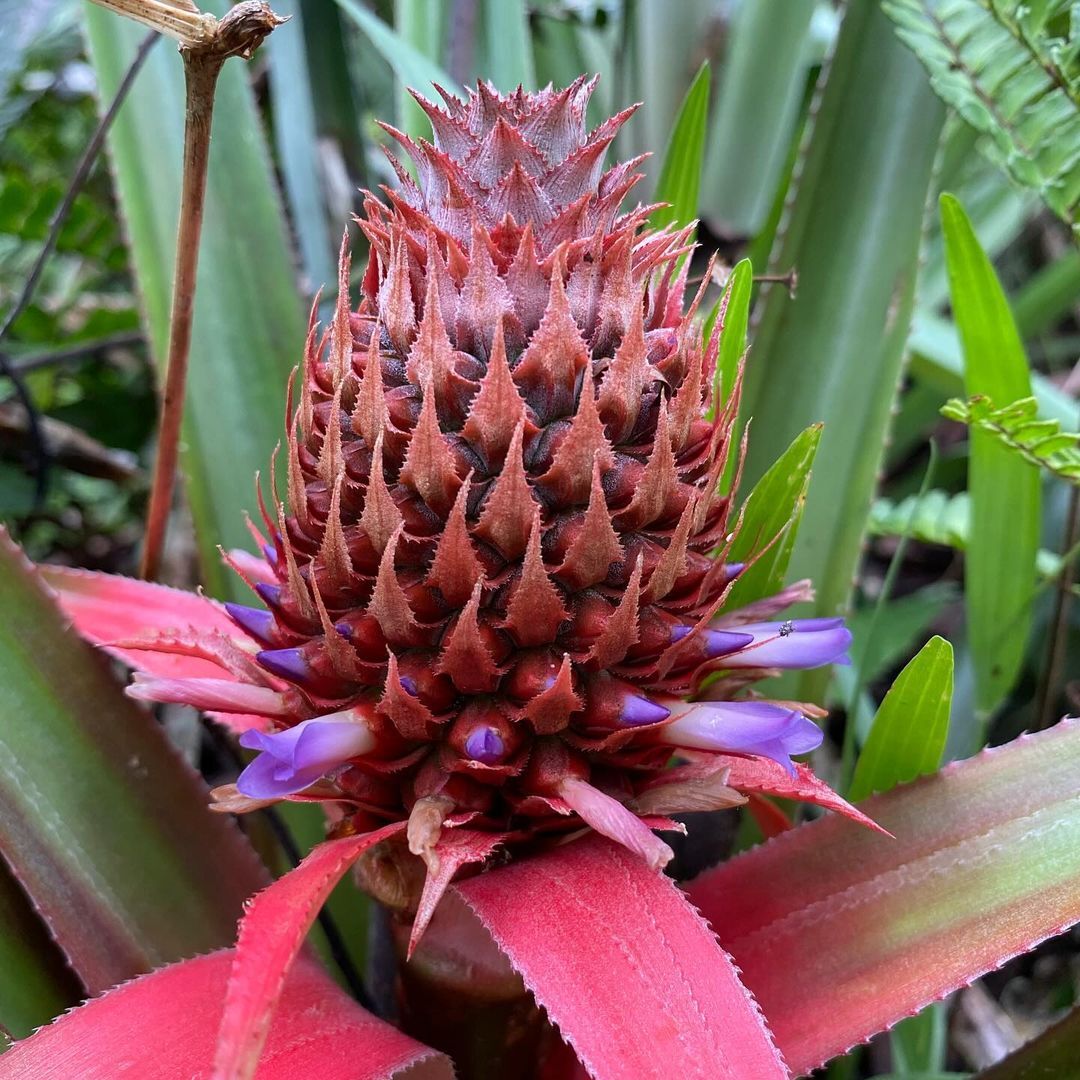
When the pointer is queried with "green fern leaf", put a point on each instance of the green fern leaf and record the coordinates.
(1011, 68)
(1041, 442)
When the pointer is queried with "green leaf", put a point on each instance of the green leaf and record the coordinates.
(762, 83)
(105, 827)
(940, 518)
(507, 44)
(1005, 78)
(35, 983)
(772, 513)
(983, 863)
(1040, 442)
(919, 1042)
(680, 174)
(248, 330)
(1052, 1054)
(833, 352)
(297, 141)
(410, 65)
(1000, 567)
(736, 308)
(909, 731)
(422, 24)
(656, 61)
(937, 361)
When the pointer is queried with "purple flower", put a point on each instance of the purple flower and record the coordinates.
(743, 727)
(796, 643)
(293, 759)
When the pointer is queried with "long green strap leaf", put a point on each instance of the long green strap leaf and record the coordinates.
(410, 65)
(507, 45)
(984, 863)
(249, 328)
(105, 827)
(421, 24)
(908, 736)
(1000, 568)
(937, 360)
(833, 352)
(762, 82)
(296, 133)
(680, 174)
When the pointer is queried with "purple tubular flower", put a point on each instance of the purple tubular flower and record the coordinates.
(638, 711)
(716, 642)
(285, 663)
(743, 727)
(294, 759)
(257, 622)
(485, 745)
(797, 643)
(268, 593)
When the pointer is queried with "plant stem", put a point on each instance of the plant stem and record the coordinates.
(238, 34)
(1059, 623)
(200, 77)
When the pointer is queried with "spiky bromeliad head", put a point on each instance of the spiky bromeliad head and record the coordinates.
(504, 565)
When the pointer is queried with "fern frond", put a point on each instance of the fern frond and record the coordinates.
(1042, 442)
(943, 519)
(1011, 68)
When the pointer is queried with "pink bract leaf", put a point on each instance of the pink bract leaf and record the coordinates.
(162, 1027)
(624, 966)
(456, 848)
(840, 932)
(271, 934)
(108, 608)
(766, 777)
(105, 608)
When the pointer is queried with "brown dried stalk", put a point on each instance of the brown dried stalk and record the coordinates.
(206, 42)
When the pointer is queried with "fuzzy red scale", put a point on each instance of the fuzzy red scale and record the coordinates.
(501, 478)
(496, 410)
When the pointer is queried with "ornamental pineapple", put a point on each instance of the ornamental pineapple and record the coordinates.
(502, 569)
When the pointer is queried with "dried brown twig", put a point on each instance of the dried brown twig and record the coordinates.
(206, 42)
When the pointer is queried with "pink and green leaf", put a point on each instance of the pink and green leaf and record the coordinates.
(163, 1026)
(626, 969)
(841, 932)
(101, 822)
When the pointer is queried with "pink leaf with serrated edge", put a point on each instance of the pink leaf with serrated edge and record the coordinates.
(767, 777)
(108, 608)
(162, 1027)
(840, 932)
(271, 934)
(624, 966)
(456, 848)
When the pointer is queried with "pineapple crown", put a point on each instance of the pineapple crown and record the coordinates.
(504, 565)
